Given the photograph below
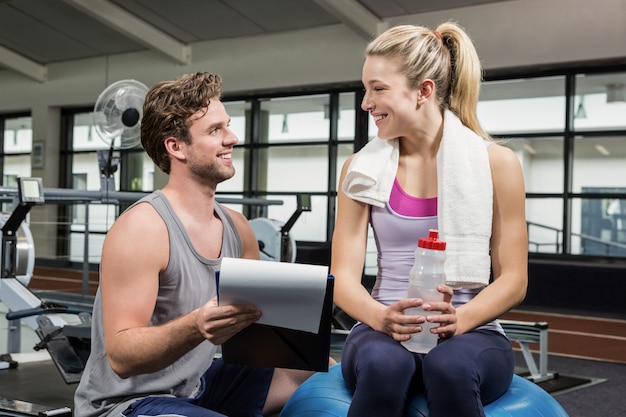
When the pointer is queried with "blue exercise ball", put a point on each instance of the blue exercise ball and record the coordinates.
(325, 394)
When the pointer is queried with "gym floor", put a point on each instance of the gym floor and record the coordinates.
(36, 379)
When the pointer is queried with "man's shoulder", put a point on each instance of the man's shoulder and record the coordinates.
(140, 208)
(141, 215)
(234, 214)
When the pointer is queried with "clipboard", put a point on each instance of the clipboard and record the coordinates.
(274, 346)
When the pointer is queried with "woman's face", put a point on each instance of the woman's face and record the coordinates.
(388, 98)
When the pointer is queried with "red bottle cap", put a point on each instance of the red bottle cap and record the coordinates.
(432, 241)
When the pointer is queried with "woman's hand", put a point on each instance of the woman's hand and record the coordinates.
(399, 325)
(447, 318)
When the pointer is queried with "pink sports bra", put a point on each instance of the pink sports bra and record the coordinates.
(410, 206)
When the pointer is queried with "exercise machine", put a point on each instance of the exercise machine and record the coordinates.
(67, 343)
(275, 242)
(23, 304)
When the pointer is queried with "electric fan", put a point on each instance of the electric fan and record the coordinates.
(117, 119)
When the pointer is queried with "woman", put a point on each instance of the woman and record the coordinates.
(432, 166)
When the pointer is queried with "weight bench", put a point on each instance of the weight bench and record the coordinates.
(524, 333)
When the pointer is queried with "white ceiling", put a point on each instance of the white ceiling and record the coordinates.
(36, 33)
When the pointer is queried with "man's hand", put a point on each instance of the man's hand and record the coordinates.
(219, 323)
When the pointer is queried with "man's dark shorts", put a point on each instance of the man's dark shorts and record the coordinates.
(227, 390)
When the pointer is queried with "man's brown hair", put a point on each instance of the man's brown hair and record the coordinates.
(167, 110)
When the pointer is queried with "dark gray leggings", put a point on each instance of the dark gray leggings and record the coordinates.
(457, 377)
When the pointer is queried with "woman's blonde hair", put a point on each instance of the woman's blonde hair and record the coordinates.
(446, 56)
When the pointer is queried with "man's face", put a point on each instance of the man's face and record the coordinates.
(209, 156)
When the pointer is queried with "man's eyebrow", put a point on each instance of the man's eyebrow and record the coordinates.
(217, 124)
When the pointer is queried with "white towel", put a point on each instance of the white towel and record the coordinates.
(464, 204)
(371, 173)
(464, 200)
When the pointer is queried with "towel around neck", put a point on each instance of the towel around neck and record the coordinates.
(464, 200)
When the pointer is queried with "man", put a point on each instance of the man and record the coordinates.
(156, 323)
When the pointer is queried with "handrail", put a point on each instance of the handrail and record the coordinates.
(66, 194)
(607, 244)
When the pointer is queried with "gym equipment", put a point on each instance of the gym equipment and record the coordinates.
(525, 333)
(325, 394)
(67, 343)
(275, 242)
(24, 251)
(17, 408)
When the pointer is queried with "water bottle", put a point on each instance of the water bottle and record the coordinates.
(425, 275)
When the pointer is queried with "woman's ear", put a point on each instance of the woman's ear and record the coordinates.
(426, 91)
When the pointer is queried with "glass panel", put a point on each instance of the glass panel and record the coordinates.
(238, 110)
(544, 217)
(298, 168)
(600, 102)
(523, 105)
(599, 162)
(8, 180)
(18, 135)
(236, 182)
(87, 164)
(85, 137)
(17, 166)
(77, 245)
(599, 225)
(542, 162)
(79, 211)
(371, 253)
(147, 172)
(372, 129)
(44, 226)
(344, 151)
(345, 128)
(301, 119)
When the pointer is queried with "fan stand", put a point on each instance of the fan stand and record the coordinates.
(108, 166)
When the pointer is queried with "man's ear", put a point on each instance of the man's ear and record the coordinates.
(426, 91)
(172, 145)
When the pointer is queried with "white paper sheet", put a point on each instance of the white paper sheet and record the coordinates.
(290, 295)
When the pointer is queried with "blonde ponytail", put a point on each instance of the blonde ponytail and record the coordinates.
(465, 76)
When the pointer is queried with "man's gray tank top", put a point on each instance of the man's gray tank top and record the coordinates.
(187, 283)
